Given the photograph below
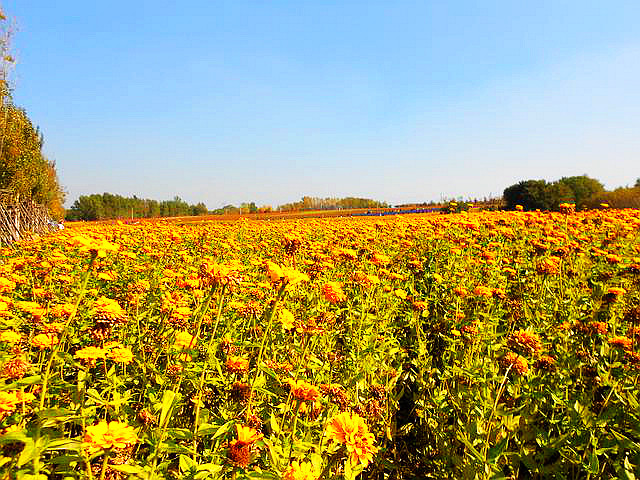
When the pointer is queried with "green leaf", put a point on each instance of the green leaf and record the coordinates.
(186, 464)
(168, 398)
(224, 428)
(130, 469)
(594, 465)
(274, 425)
(471, 448)
(64, 444)
(496, 451)
(23, 382)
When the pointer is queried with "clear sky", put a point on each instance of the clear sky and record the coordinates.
(267, 101)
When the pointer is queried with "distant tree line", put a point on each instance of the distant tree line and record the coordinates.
(316, 203)
(582, 191)
(110, 206)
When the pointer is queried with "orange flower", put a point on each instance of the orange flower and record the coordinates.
(237, 364)
(616, 291)
(483, 291)
(525, 341)
(240, 449)
(303, 390)
(622, 342)
(332, 291)
(380, 259)
(515, 362)
(109, 435)
(350, 429)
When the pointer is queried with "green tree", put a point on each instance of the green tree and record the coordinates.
(24, 170)
(530, 194)
(582, 188)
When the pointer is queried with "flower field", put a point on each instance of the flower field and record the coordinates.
(473, 345)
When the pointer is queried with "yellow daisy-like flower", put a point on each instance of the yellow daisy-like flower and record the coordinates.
(121, 355)
(351, 430)
(184, 340)
(287, 319)
(10, 400)
(10, 336)
(44, 340)
(105, 435)
(299, 471)
(91, 353)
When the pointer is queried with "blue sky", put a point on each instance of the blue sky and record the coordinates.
(267, 101)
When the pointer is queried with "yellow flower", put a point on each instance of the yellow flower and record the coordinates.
(240, 449)
(10, 336)
(351, 430)
(287, 319)
(6, 285)
(287, 275)
(401, 294)
(184, 340)
(110, 309)
(91, 353)
(44, 340)
(110, 435)
(299, 471)
(121, 355)
(10, 400)
(98, 247)
(247, 435)
(33, 308)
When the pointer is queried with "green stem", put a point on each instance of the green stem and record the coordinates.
(104, 464)
(196, 425)
(264, 341)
